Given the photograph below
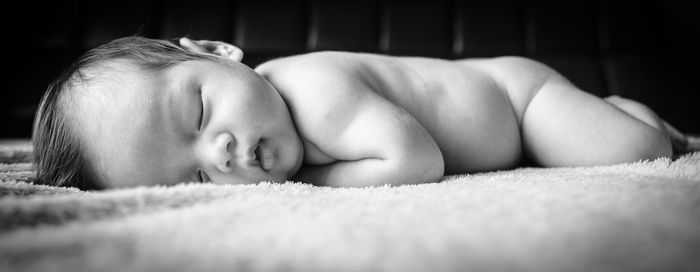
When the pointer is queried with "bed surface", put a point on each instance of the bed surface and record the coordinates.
(631, 217)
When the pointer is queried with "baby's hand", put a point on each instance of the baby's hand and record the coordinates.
(213, 47)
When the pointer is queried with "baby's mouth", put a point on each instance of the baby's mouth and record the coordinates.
(263, 155)
(257, 154)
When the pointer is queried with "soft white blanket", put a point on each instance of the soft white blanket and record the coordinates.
(633, 217)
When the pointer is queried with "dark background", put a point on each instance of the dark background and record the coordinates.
(645, 50)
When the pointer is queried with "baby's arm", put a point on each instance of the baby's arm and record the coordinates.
(380, 145)
(373, 141)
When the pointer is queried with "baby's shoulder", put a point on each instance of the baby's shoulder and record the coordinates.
(315, 84)
(307, 78)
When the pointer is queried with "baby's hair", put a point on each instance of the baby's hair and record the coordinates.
(59, 154)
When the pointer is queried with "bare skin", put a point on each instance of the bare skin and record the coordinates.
(350, 119)
(482, 113)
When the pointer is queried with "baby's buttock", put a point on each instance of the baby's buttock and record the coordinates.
(466, 112)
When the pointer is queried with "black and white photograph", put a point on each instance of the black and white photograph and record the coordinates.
(350, 135)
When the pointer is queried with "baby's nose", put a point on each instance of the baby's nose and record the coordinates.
(224, 143)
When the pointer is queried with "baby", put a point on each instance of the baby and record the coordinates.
(138, 111)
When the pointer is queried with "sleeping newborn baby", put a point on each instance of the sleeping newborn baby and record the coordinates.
(138, 111)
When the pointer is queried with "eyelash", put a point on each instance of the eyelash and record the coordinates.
(201, 112)
(200, 173)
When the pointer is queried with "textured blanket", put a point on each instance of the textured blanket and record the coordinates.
(641, 216)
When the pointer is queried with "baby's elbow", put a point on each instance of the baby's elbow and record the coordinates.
(435, 171)
(430, 163)
(426, 167)
(435, 167)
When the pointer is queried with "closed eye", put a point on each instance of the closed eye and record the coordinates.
(201, 175)
(201, 111)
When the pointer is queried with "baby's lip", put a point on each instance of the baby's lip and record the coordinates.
(256, 153)
(252, 155)
(264, 155)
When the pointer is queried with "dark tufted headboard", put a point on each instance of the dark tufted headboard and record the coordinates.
(646, 50)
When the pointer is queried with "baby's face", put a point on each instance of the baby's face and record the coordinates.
(219, 122)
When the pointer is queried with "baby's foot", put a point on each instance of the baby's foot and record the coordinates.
(693, 143)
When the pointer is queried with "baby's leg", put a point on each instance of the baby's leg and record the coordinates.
(640, 111)
(637, 110)
(564, 126)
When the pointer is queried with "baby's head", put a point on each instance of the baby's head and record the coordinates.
(138, 111)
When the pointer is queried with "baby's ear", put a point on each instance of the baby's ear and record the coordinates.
(216, 48)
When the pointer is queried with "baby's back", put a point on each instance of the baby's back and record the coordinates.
(465, 111)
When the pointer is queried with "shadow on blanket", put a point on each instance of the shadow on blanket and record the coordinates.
(632, 217)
